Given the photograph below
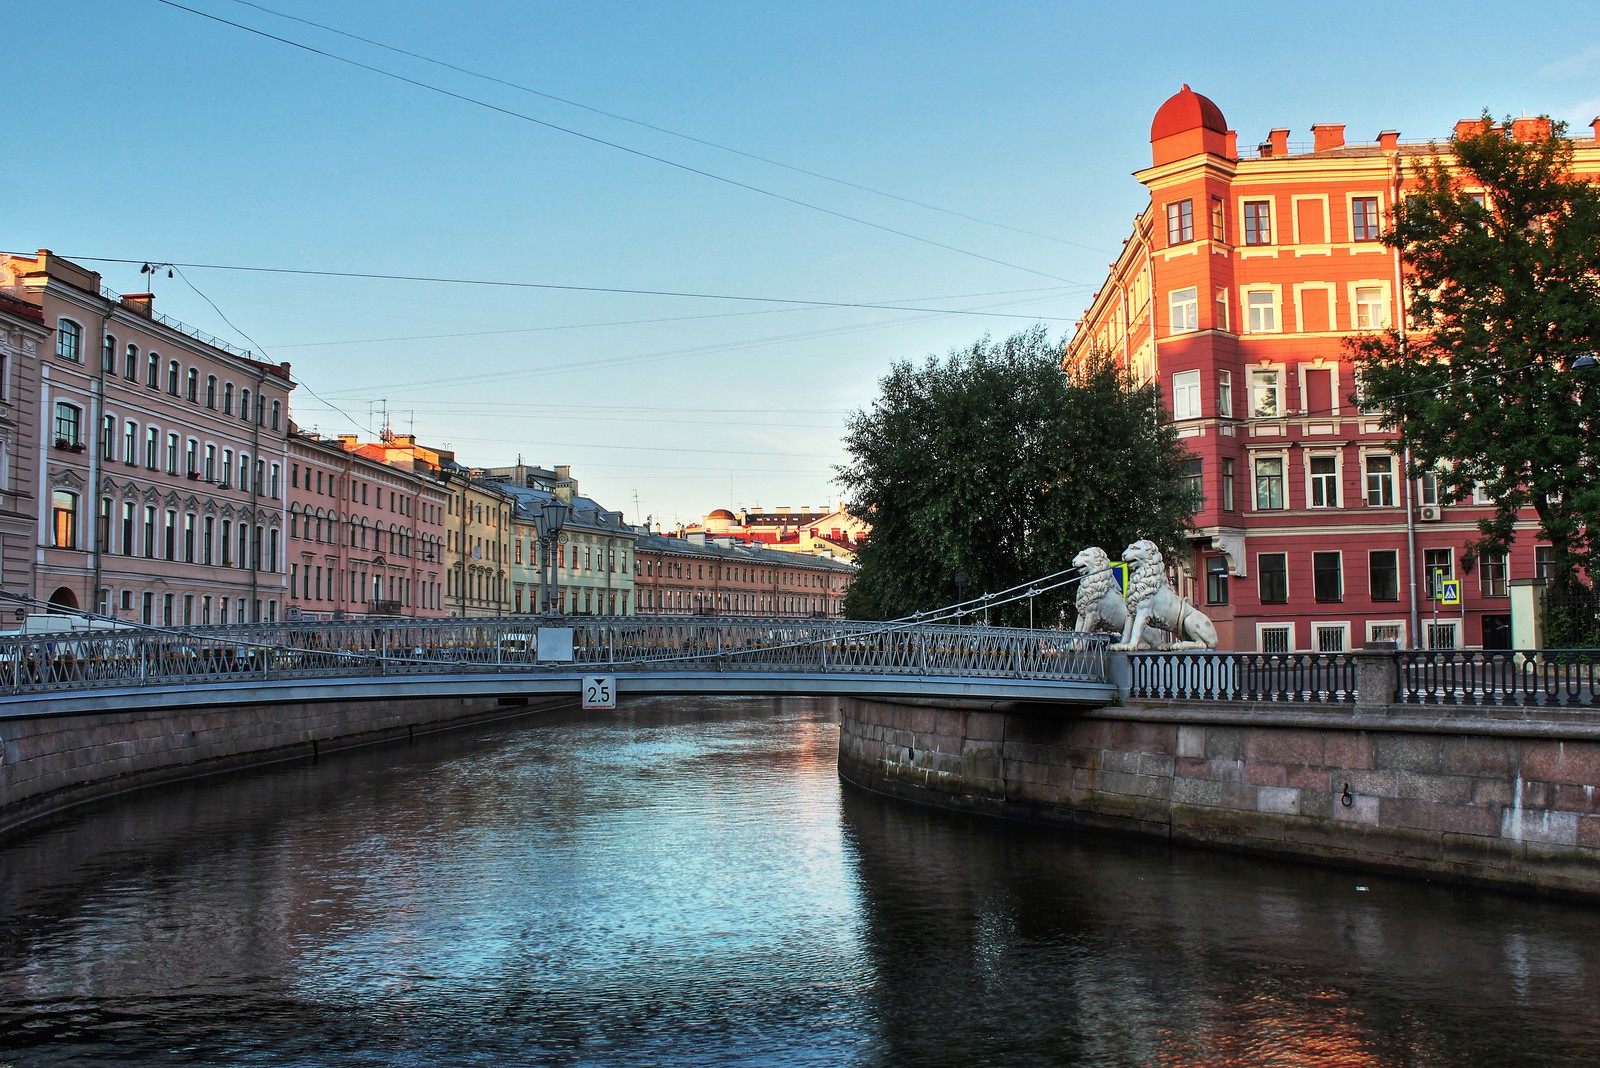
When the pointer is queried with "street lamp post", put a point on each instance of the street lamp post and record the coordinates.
(961, 592)
(548, 521)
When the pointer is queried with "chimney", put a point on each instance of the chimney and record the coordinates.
(140, 303)
(1527, 130)
(1231, 144)
(1279, 139)
(1326, 136)
(1389, 140)
(1594, 128)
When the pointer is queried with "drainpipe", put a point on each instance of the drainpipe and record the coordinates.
(98, 536)
(1411, 512)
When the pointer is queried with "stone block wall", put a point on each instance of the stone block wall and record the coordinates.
(1507, 804)
(48, 763)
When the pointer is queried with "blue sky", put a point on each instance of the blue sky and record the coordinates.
(139, 131)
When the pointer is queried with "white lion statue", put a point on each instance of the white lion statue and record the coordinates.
(1152, 602)
(1099, 601)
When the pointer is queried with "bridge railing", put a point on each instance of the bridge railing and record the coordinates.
(1305, 678)
(1543, 678)
(126, 656)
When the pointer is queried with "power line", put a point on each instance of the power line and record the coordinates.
(662, 129)
(497, 283)
(602, 141)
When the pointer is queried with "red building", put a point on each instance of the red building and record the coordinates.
(1235, 292)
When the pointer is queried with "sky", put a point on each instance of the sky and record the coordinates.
(671, 245)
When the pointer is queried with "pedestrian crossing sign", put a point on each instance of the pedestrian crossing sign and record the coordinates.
(1119, 572)
(1450, 591)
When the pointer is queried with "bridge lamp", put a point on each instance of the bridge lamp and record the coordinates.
(547, 522)
(960, 578)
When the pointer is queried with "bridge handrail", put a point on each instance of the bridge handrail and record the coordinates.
(1306, 678)
(147, 656)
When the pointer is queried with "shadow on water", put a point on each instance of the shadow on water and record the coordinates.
(1010, 945)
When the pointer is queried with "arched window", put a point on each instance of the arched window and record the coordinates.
(69, 425)
(211, 391)
(227, 398)
(244, 405)
(277, 413)
(69, 341)
(130, 366)
(192, 386)
(152, 371)
(172, 377)
(108, 356)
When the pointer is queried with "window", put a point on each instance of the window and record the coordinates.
(172, 377)
(1180, 222)
(1380, 480)
(1386, 630)
(69, 341)
(1218, 220)
(1544, 562)
(68, 421)
(211, 463)
(64, 519)
(1442, 634)
(130, 368)
(172, 454)
(1327, 576)
(127, 528)
(191, 457)
(108, 356)
(149, 532)
(1364, 219)
(169, 541)
(152, 448)
(108, 437)
(1266, 394)
(1186, 395)
(1272, 576)
(244, 405)
(1438, 566)
(1258, 222)
(1227, 483)
(1261, 312)
(191, 388)
(1364, 402)
(1222, 308)
(1269, 482)
(152, 371)
(1330, 637)
(277, 414)
(1383, 574)
(1185, 310)
(1492, 575)
(102, 530)
(1225, 394)
(1372, 309)
(1275, 637)
(1324, 482)
(227, 398)
(1216, 580)
(1193, 484)
(211, 402)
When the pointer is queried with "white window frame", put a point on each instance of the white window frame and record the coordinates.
(1263, 309)
(69, 328)
(1284, 628)
(1313, 479)
(1339, 599)
(1186, 395)
(1398, 624)
(1277, 390)
(1335, 387)
(1369, 312)
(1350, 215)
(1225, 394)
(1183, 306)
(1433, 627)
(1339, 627)
(1367, 474)
(1244, 227)
(1255, 481)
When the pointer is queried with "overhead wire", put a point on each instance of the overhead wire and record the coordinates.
(511, 113)
(662, 129)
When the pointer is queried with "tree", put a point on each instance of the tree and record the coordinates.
(1501, 250)
(995, 463)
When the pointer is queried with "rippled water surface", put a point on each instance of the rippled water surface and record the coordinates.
(690, 884)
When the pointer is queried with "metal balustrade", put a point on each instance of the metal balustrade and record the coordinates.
(1543, 677)
(137, 656)
(1305, 678)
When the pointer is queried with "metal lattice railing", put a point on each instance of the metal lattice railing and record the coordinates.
(1543, 677)
(134, 656)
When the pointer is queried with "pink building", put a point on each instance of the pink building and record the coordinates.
(365, 536)
(157, 494)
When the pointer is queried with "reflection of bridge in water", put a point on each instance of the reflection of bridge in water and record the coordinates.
(368, 658)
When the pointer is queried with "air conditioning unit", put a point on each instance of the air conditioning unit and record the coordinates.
(1430, 513)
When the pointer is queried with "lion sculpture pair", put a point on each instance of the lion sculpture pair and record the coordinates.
(1150, 607)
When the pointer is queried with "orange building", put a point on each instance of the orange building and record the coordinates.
(1235, 292)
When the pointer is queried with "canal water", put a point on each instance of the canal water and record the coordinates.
(692, 885)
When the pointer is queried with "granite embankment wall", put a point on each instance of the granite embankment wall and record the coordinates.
(51, 762)
(1504, 801)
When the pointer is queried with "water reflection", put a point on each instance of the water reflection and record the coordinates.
(684, 885)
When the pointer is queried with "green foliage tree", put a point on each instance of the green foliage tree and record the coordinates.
(994, 463)
(1502, 259)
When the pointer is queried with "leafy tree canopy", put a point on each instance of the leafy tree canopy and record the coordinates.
(995, 463)
(1501, 252)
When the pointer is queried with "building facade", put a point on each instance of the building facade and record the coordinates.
(24, 339)
(366, 537)
(720, 576)
(159, 486)
(1236, 291)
